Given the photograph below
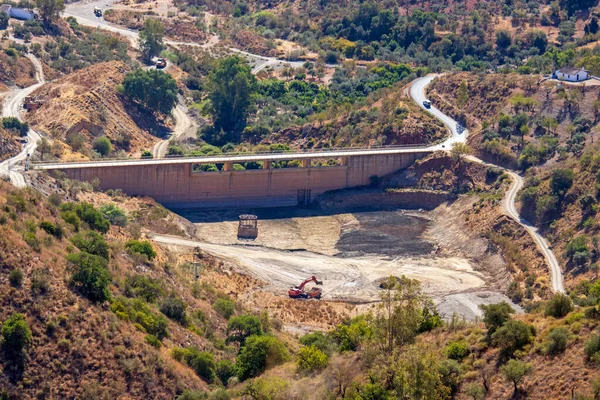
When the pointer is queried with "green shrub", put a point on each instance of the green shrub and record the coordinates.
(241, 327)
(50, 229)
(457, 350)
(143, 286)
(318, 340)
(138, 312)
(103, 146)
(558, 306)
(557, 341)
(349, 335)
(141, 247)
(88, 214)
(32, 240)
(174, 308)
(561, 180)
(16, 277)
(259, 354)
(70, 217)
(201, 362)
(225, 370)
(311, 359)
(153, 341)
(495, 315)
(16, 333)
(224, 307)
(40, 282)
(91, 242)
(114, 214)
(513, 336)
(90, 276)
(592, 347)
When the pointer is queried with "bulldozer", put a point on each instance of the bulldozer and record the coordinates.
(298, 292)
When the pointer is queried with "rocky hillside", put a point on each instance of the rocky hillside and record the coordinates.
(85, 105)
(16, 70)
(9, 146)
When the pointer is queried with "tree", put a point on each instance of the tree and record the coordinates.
(50, 10)
(559, 305)
(103, 146)
(495, 315)
(462, 96)
(515, 370)
(513, 336)
(258, 354)
(114, 214)
(503, 39)
(459, 151)
(154, 90)
(16, 334)
(561, 180)
(143, 247)
(241, 327)
(230, 87)
(151, 38)
(90, 275)
(44, 147)
(4, 18)
(91, 242)
(401, 311)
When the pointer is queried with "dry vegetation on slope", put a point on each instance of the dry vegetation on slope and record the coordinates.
(85, 105)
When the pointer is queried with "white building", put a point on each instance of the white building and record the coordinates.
(571, 74)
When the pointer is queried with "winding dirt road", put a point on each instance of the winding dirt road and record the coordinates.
(12, 106)
(418, 94)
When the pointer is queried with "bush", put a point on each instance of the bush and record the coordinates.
(153, 341)
(259, 354)
(40, 283)
(201, 362)
(561, 180)
(241, 327)
(318, 340)
(557, 341)
(311, 359)
(16, 277)
(103, 146)
(139, 313)
(143, 286)
(91, 242)
(114, 214)
(141, 247)
(174, 308)
(90, 276)
(50, 229)
(592, 347)
(70, 217)
(16, 333)
(457, 350)
(225, 370)
(513, 336)
(224, 307)
(559, 306)
(87, 213)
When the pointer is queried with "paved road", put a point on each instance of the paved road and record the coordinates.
(12, 108)
(417, 92)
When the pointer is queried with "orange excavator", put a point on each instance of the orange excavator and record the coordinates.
(297, 292)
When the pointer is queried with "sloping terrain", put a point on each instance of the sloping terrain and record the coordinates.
(15, 70)
(9, 146)
(87, 104)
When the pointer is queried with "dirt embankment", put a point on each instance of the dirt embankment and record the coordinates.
(9, 146)
(86, 104)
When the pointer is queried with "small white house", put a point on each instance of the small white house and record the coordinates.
(571, 74)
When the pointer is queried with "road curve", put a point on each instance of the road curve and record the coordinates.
(183, 125)
(12, 108)
(417, 92)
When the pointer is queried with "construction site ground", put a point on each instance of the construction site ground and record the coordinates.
(352, 253)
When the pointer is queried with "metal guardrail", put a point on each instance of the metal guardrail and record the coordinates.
(291, 153)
